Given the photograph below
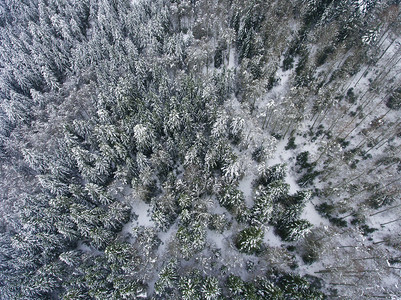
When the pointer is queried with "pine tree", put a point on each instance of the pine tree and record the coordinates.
(268, 290)
(262, 208)
(210, 288)
(168, 279)
(293, 230)
(271, 174)
(231, 198)
(189, 287)
(192, 239)
(235, 285)
(249, 240)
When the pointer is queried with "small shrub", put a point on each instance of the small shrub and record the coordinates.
(322, 56)
(310, 257)
(366, 230)
(325, 209)
(378, 200)
(351, 98)
(258, 154)
(302, 161)
(308, 178)
(291, 144)
(338, 222)
(394, 101)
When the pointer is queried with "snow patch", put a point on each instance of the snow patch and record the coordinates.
(231, 60)
(216, 239)
(165, 238)
(310, 213)
(142, 209)
(245, 185)
(271, 239)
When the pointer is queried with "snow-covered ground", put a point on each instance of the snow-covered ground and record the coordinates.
(142, 210)
(245, 185)
(271, 239)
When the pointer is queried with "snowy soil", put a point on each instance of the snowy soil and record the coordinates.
(232, 63)
(142, 210)
(271, 239)
(245, 185)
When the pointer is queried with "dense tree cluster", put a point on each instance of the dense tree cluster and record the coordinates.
(108, 106)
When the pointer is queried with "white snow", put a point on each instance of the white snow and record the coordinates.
(281, 155)
(165, 238)
(231, 61)
(291, 181)
(216, 239)
(271, 239)
(84, 247)
(142, 209)
(310, 213)
(285, 156)
(245, 185)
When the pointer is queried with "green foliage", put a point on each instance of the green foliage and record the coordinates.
(249, 240)
(258, 154)
(291, 144)
(246, 28)
(191, 238)
(189, 286)
(235, 285)
(328, 211)
(338, 222)
(296, 287)
(325, 209)
(120, 253)
(210, 288)
(350, 96)
(378, 200)
(168, 279)
(322, 56)
(288, 61)
(297, 201)
(263, 207)
(219, 223)
(231, 198)
(394, 101)
(268, 175)
(280, 286)
(106, 103)
(293, 230)
(302, 161)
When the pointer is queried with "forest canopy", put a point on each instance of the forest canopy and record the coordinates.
(200, 149)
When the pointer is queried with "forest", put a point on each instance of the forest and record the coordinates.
(200, 149)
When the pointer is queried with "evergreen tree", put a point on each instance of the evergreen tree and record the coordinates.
(168, 279)
(262, 208)
(189, 288)
(210, 288)
(191, 238)
(293, 230)
(271, 174)
(231, 198)
(235, 285)
(249, 240)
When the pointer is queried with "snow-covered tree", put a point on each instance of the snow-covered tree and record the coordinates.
(249, 240)
(210, 288)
